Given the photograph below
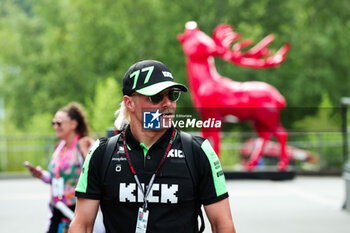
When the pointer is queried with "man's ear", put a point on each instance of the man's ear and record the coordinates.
(129, 103)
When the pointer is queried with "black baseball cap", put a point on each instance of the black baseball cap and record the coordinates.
(149, 77)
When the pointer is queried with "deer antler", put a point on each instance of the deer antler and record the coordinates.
(258, 56)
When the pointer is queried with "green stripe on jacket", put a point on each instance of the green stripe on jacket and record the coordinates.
(83, 179)
(218, 174)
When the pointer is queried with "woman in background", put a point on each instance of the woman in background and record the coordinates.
(66, 163)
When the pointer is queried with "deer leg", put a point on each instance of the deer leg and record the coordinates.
(257, 152)
(282, 136)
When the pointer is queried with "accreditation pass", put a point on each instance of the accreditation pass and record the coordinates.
(142, 219)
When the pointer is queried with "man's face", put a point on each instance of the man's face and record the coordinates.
(164, 102)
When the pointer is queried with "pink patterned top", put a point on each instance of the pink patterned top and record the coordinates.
(68, 165)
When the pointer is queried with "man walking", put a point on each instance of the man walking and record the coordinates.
(143, 188)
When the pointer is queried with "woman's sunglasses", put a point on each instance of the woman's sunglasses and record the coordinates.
(58, 123)
(173, 95)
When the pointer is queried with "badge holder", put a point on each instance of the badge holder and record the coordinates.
(142, 220)
(57, 187)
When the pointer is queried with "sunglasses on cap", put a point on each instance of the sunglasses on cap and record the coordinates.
(173, 95)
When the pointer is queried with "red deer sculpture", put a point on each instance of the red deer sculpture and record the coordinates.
(217, 97)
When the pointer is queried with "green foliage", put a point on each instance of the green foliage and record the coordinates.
(106, 102)
(326, 124)
(40, 123)
(230, 156)
(327, 118)
(54, 52)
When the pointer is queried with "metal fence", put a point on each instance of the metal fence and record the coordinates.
(325, 147)
(17, 148)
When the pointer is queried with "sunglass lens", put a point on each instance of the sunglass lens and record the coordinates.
(156, 98)
(56, 123)
(174, 95)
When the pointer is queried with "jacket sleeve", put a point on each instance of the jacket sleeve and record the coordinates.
(90, 182)
(212, 187)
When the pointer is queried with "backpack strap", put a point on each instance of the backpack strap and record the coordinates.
(110, 148)
(186, 141)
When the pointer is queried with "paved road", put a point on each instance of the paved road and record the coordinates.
(23, 205)
(302, 205)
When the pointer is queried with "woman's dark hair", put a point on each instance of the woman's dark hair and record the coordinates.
(75, 112)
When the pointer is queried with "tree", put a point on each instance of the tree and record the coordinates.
(105, 103)
(54, 52)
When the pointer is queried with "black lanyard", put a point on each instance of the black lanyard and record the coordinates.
(150, 184)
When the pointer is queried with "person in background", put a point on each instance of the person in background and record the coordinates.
(66, 163)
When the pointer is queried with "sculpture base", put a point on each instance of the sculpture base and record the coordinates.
(266, 174)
